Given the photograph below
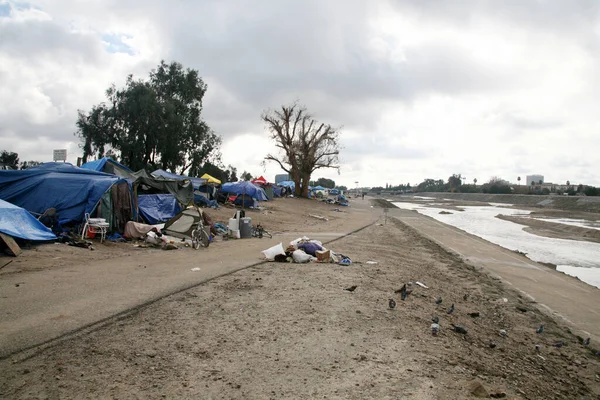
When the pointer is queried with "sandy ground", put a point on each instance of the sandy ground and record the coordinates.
(291, 331)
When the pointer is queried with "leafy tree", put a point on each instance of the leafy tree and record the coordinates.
(246, 176)
(304, 145)
(496, 185)
(153, 122)
(9, 159)
(432, 185)
(224, 175)
(326, 183)
(519, 180)
(591, 191)
(454, 182)
(342, 188)
(475, 181)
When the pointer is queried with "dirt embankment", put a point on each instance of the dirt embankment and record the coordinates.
(281, 330)
(554, 230)
(568, 203)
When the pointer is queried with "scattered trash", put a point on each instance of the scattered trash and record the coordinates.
(459, 329)
(9, 261)
(271, 252)
(466, 297)
(503, 332)
(300, 256)
(435, 329)
(392, 304)
(504, 299)
(498, 395)
(521, 309)
(371, 262)
(345, 261)
(322, 218)
(196, 269)
(422, 285)
(170, 246)
(351, 288)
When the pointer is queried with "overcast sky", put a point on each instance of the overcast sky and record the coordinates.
(421, 89)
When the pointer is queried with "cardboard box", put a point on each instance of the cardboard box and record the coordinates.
(323, 255)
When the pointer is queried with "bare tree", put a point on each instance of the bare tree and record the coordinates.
(305, 144)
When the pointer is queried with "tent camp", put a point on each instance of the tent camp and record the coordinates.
(19, 223)
(72, 191)
(197, 182)
(260, 181)
(210, 179)
(248, 194)
(154, 199)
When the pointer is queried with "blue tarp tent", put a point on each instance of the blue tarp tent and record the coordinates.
(17, 222)
(109, 166)
(334, 192)
(247, 188)
(72, 191)
(157, 208)
(197, 182)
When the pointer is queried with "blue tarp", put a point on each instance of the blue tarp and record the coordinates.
(71, 190)
(196, 182)
(334, 192)
(98, 165)
(247, 188)
(157, 208)
(17, 222)
(289, 184)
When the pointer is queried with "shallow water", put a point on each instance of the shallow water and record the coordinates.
(574, 257)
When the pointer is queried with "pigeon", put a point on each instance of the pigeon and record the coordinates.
(492, 345)
(586, 342)
(401, 290)
(537, 347)
(465, 297)
(459, 329)
(435, 320)
(439, 300)
(392, 304)
(451, 309)
(559, 344)
(435, 329)
(540, 329)
(405, 294)
(351, 288)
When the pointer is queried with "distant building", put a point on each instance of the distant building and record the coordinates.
(534, 179)
(281, 178)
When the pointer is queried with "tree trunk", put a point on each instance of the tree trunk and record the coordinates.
(305, 184)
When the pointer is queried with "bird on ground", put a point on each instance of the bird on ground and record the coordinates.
(351, 288)
(537, 347)
(435, 328)
(586, 342)
(540, 329)
(459, 329)
(492, 345)
(465, 297)
(435, 320)
(559, 344)
(405, 294)
(392, 304)
(439, 300)
(402, 289)
(451, 309)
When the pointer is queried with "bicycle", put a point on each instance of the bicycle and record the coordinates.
(199, 235)
(259, 232)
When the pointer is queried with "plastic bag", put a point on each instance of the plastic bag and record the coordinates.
(301, 257)
(271, 252)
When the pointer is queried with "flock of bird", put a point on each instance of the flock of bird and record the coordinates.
(435, 327)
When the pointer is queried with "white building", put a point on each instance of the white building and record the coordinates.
(534, 178)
